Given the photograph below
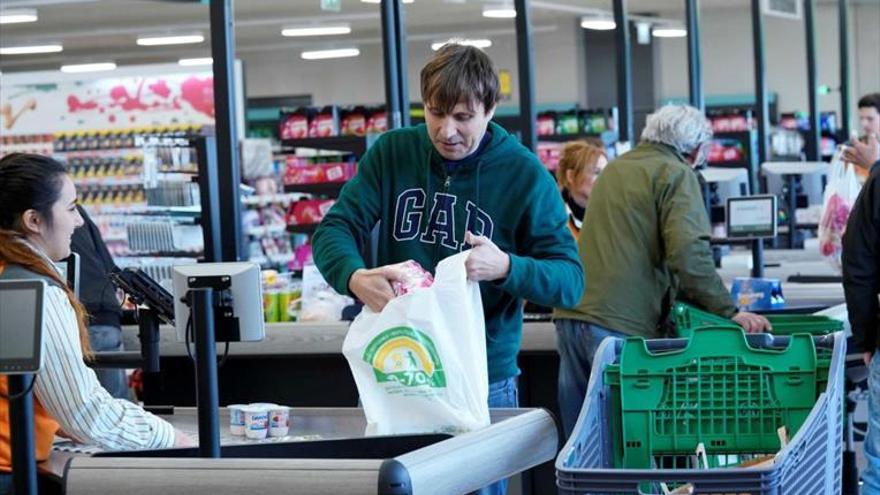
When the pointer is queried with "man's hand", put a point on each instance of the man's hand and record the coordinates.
(862, 154)
(486, 261)
(866, 357)
(182, 440)
(752, 323)
(373, 286)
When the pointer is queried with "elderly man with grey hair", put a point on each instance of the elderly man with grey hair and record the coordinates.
(644, 244)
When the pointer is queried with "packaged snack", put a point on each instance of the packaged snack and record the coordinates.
(414, 277)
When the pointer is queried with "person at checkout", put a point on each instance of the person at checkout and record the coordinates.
(645, 245)
(457, 182)
(38, 215)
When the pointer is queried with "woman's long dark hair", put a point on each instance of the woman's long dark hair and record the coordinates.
(33, 182)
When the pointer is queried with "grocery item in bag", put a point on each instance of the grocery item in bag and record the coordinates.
(420, 365)
(840, 195)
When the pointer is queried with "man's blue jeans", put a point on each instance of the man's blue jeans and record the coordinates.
(871, 475)
(502, 393)
(577, 342)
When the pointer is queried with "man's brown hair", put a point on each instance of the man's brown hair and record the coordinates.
(459, 73)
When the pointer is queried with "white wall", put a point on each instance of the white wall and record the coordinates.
(360, 80)
(726, 42)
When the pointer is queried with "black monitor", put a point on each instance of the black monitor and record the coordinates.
(751, 217)
(21, 326)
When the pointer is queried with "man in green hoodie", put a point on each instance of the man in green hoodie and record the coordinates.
(645, 243)
(457, 182)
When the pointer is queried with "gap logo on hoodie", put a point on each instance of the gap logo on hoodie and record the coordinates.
(410, 210)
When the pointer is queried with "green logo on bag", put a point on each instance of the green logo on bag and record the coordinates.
(406, 356)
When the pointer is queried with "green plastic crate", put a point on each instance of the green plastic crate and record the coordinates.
(718, 390)
(688, 318)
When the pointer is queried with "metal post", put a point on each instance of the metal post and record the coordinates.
(148, 334)
(526, 70)
(761, 105)
(843, 26)
(402, 63)
(390, 46)
(207, 394)
(791, 206)
(209, 195)
(761, 111)
(695, 66)
(21, 435)
(228, 168)
(815, 137)
(624, 72)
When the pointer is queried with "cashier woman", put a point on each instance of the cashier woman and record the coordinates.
(37, 218)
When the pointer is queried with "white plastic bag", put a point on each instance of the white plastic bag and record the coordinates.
(840, 195)
(420, 365)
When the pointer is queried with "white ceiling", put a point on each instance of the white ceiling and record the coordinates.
(99, 30)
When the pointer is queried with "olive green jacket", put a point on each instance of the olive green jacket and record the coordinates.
(645, 243)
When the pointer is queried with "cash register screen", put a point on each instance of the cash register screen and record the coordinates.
(21, 325)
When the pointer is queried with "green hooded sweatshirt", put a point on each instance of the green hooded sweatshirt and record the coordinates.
(503, 193)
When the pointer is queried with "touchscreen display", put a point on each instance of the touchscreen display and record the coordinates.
(18, 321)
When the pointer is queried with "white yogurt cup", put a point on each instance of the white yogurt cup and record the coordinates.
(256, 420)
(236, 419)
(279, 421)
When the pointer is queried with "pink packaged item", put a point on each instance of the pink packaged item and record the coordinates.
(414, 277)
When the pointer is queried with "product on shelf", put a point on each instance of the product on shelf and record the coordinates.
(325, 122)
(726, 151)
(549, 154)
(282, 296)
(332, 121)
(40, 144)
(301, 171)
(354, 121)
(730, 121)
(295, 125)
(568, 123)
(377, 120)
(572, 122)
(308, 212)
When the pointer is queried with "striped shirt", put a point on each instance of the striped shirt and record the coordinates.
(71, 393)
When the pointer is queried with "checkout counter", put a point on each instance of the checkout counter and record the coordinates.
(325, 452)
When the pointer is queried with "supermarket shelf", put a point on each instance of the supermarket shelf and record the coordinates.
(109, 181)
(264, 230)
(302, 229)
(734, 164)
(281, 259)
(731, 134)
(356, 145)
(564, 138)
(100, 152)
(265, 200)
(324, 188)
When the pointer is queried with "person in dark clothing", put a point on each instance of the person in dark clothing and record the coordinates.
(98, 294)
(861, 285)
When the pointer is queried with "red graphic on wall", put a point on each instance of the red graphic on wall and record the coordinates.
(74, 104)
(160, 88)
(143, 98)
(200, 94)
